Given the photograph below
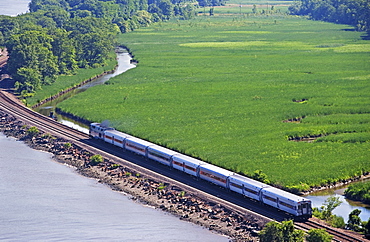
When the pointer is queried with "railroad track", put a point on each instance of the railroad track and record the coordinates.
(42, 122)
(51, 126)
(338, 235)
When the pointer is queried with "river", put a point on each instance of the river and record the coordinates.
(123, 64)
(347, 206)
(42, 200)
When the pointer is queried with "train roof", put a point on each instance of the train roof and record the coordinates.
(285, 194)
(189, 159)
(249, 181)
(216, 169)
(162, 149)
(117, 133)
(139, 141)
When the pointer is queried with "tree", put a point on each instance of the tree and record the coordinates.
(329, 205)
(31, 59)
(281, 232)
(318, 235)
(63, 48)
(352, 12)
(29, 80)
(271, 232)
(354, 221)
(167, 9)
(367, 229)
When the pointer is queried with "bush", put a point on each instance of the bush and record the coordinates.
(284, 231)
(33, 131)
(96, 159)
(67, 145)
(318, 235)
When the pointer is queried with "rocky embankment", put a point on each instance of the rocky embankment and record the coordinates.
(164, 196)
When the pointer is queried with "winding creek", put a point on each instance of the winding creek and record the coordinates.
(124, 64)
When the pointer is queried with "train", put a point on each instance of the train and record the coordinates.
(298, 207)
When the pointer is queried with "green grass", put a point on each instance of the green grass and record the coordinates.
(65, 82)
(219, 88)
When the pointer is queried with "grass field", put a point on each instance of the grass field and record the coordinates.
(219, 88)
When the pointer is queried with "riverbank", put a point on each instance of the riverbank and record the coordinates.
(167, 197)
(61, 93)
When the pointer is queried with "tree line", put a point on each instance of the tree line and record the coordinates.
(59, 36)
(351, 12)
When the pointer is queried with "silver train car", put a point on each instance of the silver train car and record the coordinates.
(294, 205)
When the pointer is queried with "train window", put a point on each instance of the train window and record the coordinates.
(190, 168)
(236, 185)
(251, 191)
(178, 163)
(135, 147)
(287, 205)
(270, 198)
(119, 141)
(213, 176)
(158, 155)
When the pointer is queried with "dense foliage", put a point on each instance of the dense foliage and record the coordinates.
(227, 89)
(281, 232)
(285, 232)
(351, 12)
(59, 36)
(356, 224)
(359, 191)
(318, 235)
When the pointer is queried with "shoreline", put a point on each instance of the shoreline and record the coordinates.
(152, 192)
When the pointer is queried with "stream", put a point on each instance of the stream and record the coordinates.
(123, 64)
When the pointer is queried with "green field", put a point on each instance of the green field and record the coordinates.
(219, 88)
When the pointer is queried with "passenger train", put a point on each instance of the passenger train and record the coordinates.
(292, 204)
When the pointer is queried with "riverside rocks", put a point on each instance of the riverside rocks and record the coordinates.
(164, 196)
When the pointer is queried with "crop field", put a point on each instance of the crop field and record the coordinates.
(236, 90)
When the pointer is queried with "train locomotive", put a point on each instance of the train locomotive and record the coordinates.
(296, 206)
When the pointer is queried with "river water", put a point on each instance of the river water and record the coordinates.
(42, 200)
(123, 64)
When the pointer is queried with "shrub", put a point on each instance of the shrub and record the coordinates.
(67, 145)
(32, 131)
(318, 235)
(96, 159)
